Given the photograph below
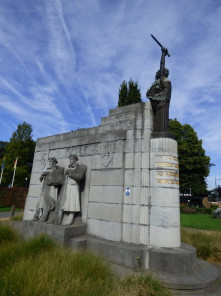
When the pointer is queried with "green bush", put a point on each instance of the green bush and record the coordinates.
(214, 207)
(208, 211)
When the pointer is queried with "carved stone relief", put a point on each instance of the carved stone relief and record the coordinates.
(44, 159)
(106, 151)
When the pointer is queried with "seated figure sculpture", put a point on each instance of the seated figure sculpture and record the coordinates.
(69, 199)
(52, 179)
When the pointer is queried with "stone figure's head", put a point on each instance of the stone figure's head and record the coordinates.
(73, 159)
(166, 73)
(52, 162)
(157, 76)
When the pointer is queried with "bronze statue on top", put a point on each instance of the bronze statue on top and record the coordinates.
(159, 94)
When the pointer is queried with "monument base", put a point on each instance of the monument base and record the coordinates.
(59, 233)
(177, 268)
(203, 276)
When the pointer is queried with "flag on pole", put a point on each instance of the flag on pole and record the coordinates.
(15, 164)
(3, 164)
(2, 168)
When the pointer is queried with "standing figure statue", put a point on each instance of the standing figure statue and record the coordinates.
(69, 199)
(159, 94)
(52, 179)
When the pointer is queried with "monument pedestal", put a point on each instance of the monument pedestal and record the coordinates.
(164, 193)
(59, 233)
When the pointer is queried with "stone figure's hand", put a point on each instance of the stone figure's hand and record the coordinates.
(44, 173)
(164, 50)
(67, 172)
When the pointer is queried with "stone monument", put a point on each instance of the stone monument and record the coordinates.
(129, 197)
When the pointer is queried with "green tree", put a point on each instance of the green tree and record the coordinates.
(194, 165)
(21, 145)
(122, 94)
(129, 94)
(2, 148)
(134, 95)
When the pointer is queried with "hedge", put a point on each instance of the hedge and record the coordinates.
(196, 210)
(13, 196)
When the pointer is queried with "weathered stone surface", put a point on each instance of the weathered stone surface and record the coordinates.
(104, 229)
(165, 217)
(105, 212)
(107, 177)
(180, 260)
(61, 234)
(164, 237)
(106, 194)
(162, 197)
(119, 253)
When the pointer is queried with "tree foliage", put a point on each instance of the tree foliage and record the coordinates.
(21, 145)
(129, 93)
(2, 148)
(193, 163)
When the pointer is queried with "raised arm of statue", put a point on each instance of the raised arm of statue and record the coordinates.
(162, 63)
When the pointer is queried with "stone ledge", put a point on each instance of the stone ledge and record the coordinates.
(156, 135)
(60, 233)
(123, 254)
(203, 276)
(180, 260)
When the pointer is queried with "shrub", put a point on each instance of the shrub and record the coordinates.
(13, 196)
(214, 207)
(192, 210)
(207, 211)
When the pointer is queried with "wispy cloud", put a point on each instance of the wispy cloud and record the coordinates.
(62, 62)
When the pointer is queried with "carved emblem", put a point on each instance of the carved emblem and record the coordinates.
(44, 159)
(106, 153)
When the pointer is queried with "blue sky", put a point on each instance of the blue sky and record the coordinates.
(62, 61)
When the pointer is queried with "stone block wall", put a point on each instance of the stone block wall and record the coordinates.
(120, 159)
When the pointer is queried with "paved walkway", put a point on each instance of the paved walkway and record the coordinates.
(6, 215)
(212, 291)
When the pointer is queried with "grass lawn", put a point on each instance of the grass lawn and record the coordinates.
(8, 209)
(39, 267)
(200, 221)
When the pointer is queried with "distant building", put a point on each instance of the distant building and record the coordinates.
(189, 200)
